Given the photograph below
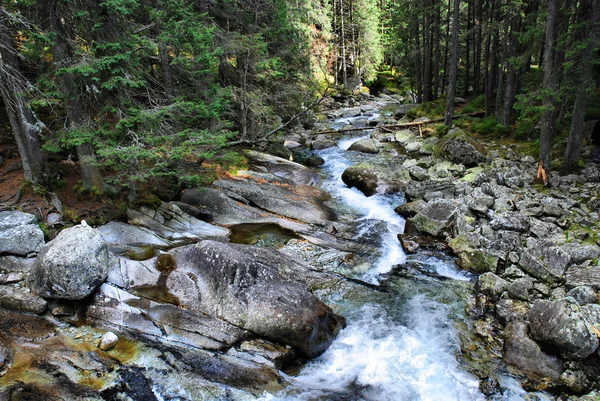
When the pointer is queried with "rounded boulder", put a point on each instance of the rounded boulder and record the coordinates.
(72, 265)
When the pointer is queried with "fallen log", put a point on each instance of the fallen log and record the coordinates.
(404, 125)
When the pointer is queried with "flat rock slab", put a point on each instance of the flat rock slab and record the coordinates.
(125, 234)
(281, 167)
(172, 223)
(164, 323)
(299, 202)
(526, 355)
(583, 275)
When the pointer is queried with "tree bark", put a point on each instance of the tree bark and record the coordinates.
(24, 124)
(586, 85)
(509, 92)
(468, 49)
(503, 64)
(427, 50)
(550, 85)
(478, 48)
(453, 67)
(418, 64)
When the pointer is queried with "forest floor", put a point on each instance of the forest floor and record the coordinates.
(16, 194)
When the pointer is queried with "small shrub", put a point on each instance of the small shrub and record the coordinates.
(441, 130)
(489, 126)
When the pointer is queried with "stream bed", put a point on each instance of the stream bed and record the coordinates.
(404, 341)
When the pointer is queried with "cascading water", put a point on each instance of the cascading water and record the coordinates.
(399, 345)
(372, 210)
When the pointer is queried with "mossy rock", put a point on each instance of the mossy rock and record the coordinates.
(460, 147)
(477, 261)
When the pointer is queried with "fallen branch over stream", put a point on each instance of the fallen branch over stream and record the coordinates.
(404, 125)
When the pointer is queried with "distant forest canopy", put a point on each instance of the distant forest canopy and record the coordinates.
(150, 89)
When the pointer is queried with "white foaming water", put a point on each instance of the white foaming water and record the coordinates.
(444, 268)
(373, 208)
(377, 358)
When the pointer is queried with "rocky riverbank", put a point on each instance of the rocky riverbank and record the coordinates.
(535, 248)
(204, 306)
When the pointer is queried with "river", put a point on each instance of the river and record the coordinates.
(402, 343)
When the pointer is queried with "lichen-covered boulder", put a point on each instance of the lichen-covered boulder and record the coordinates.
(72, 265)
(19, 234)
(491, 285)
(543, 260)
(561, 323)
(435, 217)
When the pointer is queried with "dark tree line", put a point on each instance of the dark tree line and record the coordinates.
(532, 62)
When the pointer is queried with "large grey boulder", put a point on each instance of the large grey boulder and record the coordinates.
(580, 253)
(18, 300)
(430, 190)
(239, 284)
(72, 265)
(511, 221)
(364, 146)
(19, 234)
(361, 178)
(583, 295)
(165, 323)
(560, 323)
(525, 354)
(491, 285)
(119, 233)
(16, 264)
(436, 217)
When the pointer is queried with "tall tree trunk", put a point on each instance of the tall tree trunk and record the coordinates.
(418, 64)
(493, 60)
(436, 50)
(453, 66)
(24, 124)
(586, 85)
(550, 84)
(468, 49)
(343, 44)
(427, 49)
(509, 94)
(478, 48)
(503, 64)
(447, 46)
